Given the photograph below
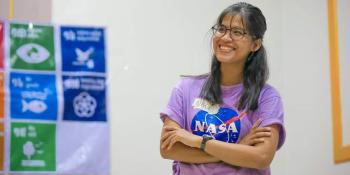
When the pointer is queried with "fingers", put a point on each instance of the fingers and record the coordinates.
(166, 135)
(256, 136)
(263, 129)
(172, 142)
(261, 135)
(256, 141)
(169, 137)
(167, 131)
(167, 141)
(170, 128)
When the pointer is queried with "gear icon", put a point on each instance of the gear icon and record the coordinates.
(84, 105)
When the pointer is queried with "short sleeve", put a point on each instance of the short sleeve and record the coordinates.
(175, 107)
(270, 110)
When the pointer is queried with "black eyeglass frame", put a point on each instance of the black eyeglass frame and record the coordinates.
(215, 30)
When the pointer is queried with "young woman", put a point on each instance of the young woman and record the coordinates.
(228, 122)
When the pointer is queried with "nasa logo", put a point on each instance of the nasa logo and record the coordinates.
(224, 125)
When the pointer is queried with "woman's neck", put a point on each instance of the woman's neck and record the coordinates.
(231, 74)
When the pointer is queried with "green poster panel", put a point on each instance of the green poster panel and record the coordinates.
(32, 47)
(33, 147)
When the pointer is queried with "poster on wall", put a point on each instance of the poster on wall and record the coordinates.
(85, 98)
(2, 103)
(2, 145)
(33, 96)
(53, 82)
(2, 96)
(33, 147)
(83, 49)
(32, 47)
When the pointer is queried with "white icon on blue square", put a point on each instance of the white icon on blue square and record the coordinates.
(33, 96)
(83, 49)
(84, 98)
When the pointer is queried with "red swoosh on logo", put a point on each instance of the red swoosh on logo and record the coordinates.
(233, 119)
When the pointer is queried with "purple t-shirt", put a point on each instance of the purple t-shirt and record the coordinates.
(224, 122)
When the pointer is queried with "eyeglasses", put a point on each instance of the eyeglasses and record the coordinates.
(235, 33)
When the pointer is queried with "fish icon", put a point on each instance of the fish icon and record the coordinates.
(36, 106)
(33, 53)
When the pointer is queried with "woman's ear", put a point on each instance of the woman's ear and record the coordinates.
(256, 45)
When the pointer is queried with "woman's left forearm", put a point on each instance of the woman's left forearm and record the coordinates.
(258, 156)
(238, 155)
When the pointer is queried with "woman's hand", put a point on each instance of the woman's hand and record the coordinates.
(256, 135)
(176, 134)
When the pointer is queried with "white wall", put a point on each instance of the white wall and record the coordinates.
(27, 10)
(152, 42)
(4, 9)
(307, 89)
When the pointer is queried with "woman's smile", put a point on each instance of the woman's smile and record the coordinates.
(226, 48)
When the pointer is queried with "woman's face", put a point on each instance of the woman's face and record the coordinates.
(230, 48)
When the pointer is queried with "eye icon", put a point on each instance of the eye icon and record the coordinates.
(33, 53)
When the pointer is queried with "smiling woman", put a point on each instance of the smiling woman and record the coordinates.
(229, 121)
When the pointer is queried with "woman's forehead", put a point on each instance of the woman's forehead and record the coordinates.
(230, 20)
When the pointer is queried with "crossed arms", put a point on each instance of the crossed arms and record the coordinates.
(255, 150)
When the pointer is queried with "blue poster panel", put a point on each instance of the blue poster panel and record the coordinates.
(84, 98)
(83, 49)
(33, 96)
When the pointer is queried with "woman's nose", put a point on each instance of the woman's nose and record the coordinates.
(227, 36)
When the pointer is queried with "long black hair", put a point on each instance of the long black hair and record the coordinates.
(255, 72)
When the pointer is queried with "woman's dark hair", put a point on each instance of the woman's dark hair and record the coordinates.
(255, 72)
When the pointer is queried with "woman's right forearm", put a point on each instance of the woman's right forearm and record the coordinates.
(183, 153)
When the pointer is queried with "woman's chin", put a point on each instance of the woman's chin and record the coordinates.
(230, 60)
